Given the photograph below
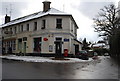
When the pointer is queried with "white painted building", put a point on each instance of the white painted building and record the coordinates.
(39, 32)
(0, 41)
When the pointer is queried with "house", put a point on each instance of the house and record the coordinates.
(46, 32)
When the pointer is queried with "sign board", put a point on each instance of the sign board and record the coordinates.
(66, 40)
(50, 48)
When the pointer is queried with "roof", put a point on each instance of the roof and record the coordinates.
(78, 41)
(52, 11)
(99, 45)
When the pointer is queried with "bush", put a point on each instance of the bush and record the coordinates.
(101, 51)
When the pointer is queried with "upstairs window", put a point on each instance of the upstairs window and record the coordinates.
(21, 28)
(43, 24)
(10, 31)
(15, 30)
(27, 27)
(18, 28)
(59, 23)
(35, 26)
(6, 31)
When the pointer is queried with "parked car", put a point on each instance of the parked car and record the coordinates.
(90, 53)
(82, 55)
(106, 54)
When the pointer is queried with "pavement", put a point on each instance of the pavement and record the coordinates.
(43, 59)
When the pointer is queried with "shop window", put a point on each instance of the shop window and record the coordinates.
(24, 38)
(37, 44)
(20, 45)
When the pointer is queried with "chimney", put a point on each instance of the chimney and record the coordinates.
(46, 6)
(7, 19)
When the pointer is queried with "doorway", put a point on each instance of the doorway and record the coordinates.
(37, 44)
(76, 49)
(58, 46)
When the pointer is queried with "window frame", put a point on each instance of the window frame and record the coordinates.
(27, 27)
(15, 29)
(35, 26)
(59, 23)
(43, 24)
(21, 28)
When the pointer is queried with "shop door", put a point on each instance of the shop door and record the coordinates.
(37, 44)
(76, 49)
(58, 47)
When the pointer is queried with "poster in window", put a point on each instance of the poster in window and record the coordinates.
(50, 48)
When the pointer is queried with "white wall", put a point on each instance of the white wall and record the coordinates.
(67, 26)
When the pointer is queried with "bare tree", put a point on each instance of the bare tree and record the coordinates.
(107, 21)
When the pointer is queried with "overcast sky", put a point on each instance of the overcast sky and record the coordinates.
(83, 12)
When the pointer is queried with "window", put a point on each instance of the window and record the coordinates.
(21, 28)
(58, 39)
(10, 30)
(59, 23)
(18, 28)
(20, 44)
(43, 24)
(6, 31)
(37, 44)
(27, 27)
(24, 38)
(15, 30)
(35, 26)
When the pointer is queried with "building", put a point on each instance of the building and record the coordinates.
(119, 7)
(46, 32)
(0, 41)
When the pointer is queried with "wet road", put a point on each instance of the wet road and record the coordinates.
(106, 68)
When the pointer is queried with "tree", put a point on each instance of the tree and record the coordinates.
(85, 44)
(107, 21)
(107, 24)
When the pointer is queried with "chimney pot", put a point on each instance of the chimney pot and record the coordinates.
(46, 6)
(7, 19)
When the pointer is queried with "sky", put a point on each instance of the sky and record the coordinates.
(83, 11)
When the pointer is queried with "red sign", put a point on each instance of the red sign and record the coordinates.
(45, 39)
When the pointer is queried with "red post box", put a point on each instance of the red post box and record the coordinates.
(65, 52)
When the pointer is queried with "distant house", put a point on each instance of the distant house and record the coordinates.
(100, 44)
(46, 32)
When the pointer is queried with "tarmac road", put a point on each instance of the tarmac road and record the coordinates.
(104, 68)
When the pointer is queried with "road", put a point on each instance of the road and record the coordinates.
(104, 68)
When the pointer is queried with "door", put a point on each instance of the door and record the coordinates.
(37, 44)
(24, 48)
(58, 46)
(76, 49)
